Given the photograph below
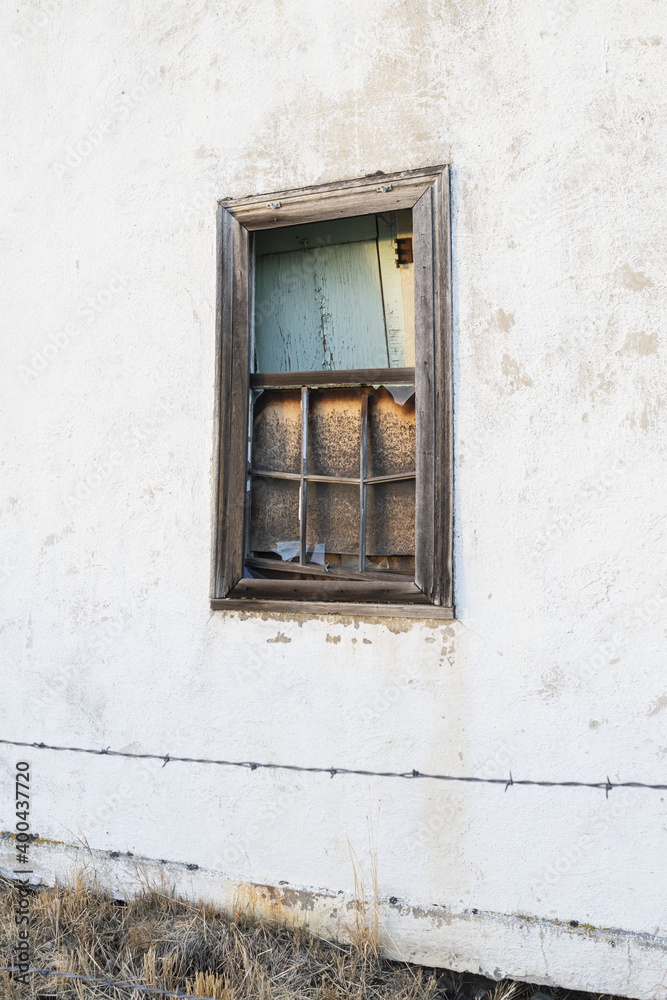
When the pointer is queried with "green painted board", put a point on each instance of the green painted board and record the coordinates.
(320, 309)
(315, 234)
(391, 290)
(328, 296)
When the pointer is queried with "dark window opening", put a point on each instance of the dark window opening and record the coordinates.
(331, 482)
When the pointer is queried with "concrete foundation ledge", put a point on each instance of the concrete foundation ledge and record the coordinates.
(496, 945)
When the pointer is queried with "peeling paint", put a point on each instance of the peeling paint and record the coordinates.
(279, 637)
(396, 626)
(516, 377)
(635, 280)
(504, 321)
(658, 705)
(639, 343)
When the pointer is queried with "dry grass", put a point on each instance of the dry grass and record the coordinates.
(158, 940)
(364, 933)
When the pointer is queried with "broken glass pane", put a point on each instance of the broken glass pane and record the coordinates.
(286, 551)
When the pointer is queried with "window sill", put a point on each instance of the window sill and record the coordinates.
(357, 610)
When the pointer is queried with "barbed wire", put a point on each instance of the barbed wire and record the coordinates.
(105, 982)
(607, 786)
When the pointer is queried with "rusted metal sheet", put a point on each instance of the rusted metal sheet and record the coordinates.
(391, 434)
(335, 426)
(276, 432)
(333, 511)
(390, 520)
(274, 513)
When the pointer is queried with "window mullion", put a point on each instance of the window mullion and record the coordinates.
(362, 482)
(303, 498)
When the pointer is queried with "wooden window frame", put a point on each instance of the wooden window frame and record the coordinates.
(427, 192)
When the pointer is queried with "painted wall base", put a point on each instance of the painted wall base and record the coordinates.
(496, 945)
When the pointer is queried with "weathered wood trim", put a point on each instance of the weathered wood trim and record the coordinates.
(361, 196)
(333, 572)
(357, 610)
(433, 393)
(374, 591)
(422, 229)
(233, 352)
(428, 174)
(363, 461)
(429, 191)
(444, 472)
(303, 485)
(331, 379)
(217, 544)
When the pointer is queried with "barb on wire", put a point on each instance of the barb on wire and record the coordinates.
(105, 982)
(607, 786)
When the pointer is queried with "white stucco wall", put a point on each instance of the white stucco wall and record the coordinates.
(553, 118)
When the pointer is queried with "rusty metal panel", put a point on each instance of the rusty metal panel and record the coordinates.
(333, 518)
(274, 513)
(390, 519)
(276, 432)
(391, 433)
(335, 427)
(333, 510)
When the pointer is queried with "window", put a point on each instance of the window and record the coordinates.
(334, 345)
